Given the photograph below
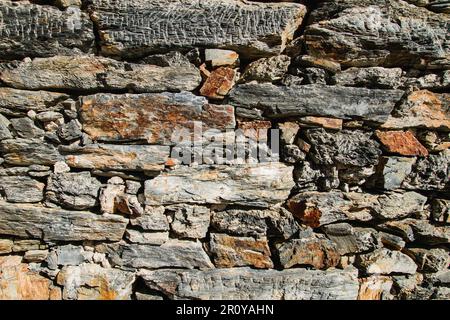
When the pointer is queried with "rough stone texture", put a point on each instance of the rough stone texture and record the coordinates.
(248, 28)
(392, 172)
(258, 185)
(384, 261)
(244, 283)
(153, 118)
(266, 69)
(351, 240)
(28, 152)
(219, 83)
(91, 73)
(24, 220)
(30, 30)
(190, 221)
(317, 100)
(21, 189)
(402, 143)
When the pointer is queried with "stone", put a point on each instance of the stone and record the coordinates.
(430, 260)
(153, 219)
(149, 238)
(371, 77)
(384, 261)
(15, 102)
(340, 32)
(22, 189)
(345, 148)
(6, 246)
(116, 157)
(68, 3)
(249, 223)
(312, 250)
(251, 29)
(317, 62)
(92, 282)
(403, 143)
(108, 194)
(189, 221)
(133, 187)
(421, 109)
(250, 185)
(327, 123)
(28, 151)
(73, 190)
(70, 131)
(316, 100)
(17, 282)
(25, 128)
(440, 210)
(153, 118)
(173, 253)
(266, 69)
(67, 255)
(23, 220)
(249, 284)
(31, 30)
(350, 239)
(170, 59)
(392, 171)
(221, 58)
(35, 255)
(93, 73)
(219, 83)
(228, 251)
(288, 131)
(60, 167)
(391, 241)
(375, 288)
(128, 204)
(311, 75)
(4, 128)
(321, 208)
(431, 173)
(27, 244)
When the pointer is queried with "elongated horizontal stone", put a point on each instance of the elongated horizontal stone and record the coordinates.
(248, 284)
(93, 73)
(252, 185)
(378, 33)
(154, 118)
(21, 189)
(29, 30)
(117, 157)
(316, 100)
(24, 220)
(15, 102)
(174, 253)
(28, 152)
(133, 28)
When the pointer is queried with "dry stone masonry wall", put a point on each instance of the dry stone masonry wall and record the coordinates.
(336, 183)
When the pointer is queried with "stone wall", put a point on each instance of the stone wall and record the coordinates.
(99, 200)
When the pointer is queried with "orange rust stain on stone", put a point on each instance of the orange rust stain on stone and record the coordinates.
(401, 142)
(219, 83)
(308, 215)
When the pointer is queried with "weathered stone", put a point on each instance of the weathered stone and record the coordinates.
(384, 261)
(17, 282)
(228, 251)
(189, 221)
(70, 131)
(30, 30)
(170, 59)
(25, 128)
(430, 260)
(372, 77)
(392, 171)
(219, 58)
(257, 185)
(73, 190)
(423, 109)
(132, 187)
(173, 253)
(27, 244)
(152, 238)
(107, 197)
(28, 151)
(68, 3)
(92, 73)
(346, 148)
(4, 128)
(251, 29)
(375, 288)
(316, 100)
(92, 282)
(68, 255)
(391, 241)
(128, 204)
(351, 240)
(266, 69)
(288, 132)
(241, 222)
(440, 210)
(340, 32)
(317, 62)
(56, 224)
(35, 255)
(154, 118)
(413, 230)
(321, 208)
(21, 189)
(431, 173)
(401, 142)
(6, 246)
(311, 250)
(117, 157)
(219, 83)
(327, 123)
(311, 75)
(153, 219)
(248, 284)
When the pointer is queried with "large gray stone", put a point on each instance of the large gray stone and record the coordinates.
(28, 152)
(245, 283)
(189, 221)
(133, 28)
(23, 220)
(350, 239)
(21, 189)
(384, 261)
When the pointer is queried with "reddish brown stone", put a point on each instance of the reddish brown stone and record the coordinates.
(219, 83)
(256, 130)
(328, 123)
(401, 142)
